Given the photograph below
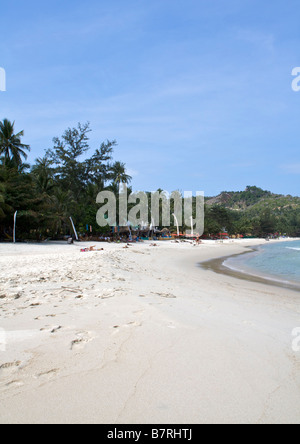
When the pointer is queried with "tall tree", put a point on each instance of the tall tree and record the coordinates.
(43, 174)
(11, 146)
(98, 167)
(66, 157)
(72, 171)
(119, 174)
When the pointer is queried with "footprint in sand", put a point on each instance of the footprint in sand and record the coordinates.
(82, 339)
(165, 295)
(133, 324)
(9, 367)
(40, 318)
(55, 329)
(116, 328)
(14, 384)
(108, 293)
(48, 374)
(51, 328)
(138, 311)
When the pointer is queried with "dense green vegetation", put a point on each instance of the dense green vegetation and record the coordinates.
(63, 183)
(66, 181)
(254, 212)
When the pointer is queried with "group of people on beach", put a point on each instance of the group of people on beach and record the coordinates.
(112, 238)
(123, 239)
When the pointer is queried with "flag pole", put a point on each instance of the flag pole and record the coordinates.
(15, 223)
(76, 235)
(176, 221)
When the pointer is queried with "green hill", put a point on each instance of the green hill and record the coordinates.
(253, 199)
(255, 211)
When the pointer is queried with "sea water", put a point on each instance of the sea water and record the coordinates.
(279, 261)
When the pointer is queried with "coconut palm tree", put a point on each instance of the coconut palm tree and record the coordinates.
(118, 173)
(43, 174)
(10, 143)
(59, 208)
(2, 201)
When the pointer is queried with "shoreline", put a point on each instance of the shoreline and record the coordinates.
(218, 266)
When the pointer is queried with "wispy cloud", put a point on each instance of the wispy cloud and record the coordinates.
(257, 38)
(291, 168)
(131, 172)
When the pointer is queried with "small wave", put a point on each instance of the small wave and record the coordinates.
(293, 248)
(260, 275)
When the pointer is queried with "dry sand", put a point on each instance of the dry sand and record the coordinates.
(143, 335)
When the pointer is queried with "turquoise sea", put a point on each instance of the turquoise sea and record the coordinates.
(276, 261)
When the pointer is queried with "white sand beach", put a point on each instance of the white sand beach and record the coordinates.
(143, 335)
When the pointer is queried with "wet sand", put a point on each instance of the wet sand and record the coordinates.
(218, 266)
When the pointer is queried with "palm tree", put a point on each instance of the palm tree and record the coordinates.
(59, 209)
(43, 174)
(118, 173)
(10, 143)
(2, 201)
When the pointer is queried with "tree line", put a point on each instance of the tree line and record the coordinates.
(66, 181)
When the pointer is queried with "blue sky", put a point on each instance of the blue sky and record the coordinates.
(197, 93)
